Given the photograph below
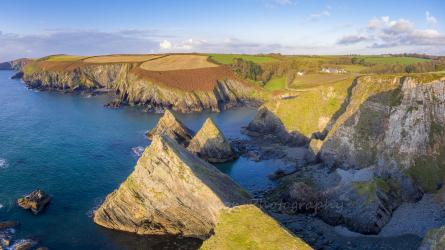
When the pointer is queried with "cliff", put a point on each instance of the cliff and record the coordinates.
(15, 65)
(215, 88)
(434, 239)
(211, 145)
(388, 126)
(171, 126)
(171, 192)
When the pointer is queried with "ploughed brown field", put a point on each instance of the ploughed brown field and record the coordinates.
(177, 62)
(62, 66)
(191, 80)
(121, 58)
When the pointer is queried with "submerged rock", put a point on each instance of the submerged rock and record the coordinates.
(7, 225)
(211, 145)
(172, 192)
(36, 201)
(170, 125)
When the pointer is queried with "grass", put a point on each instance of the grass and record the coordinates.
(246, 227)
(275, 83)
(315, 80)
(178, 62)
(120, 58)
(352, 68)
(403, 60)
(65, 58)
(310, 58)
(228, 58)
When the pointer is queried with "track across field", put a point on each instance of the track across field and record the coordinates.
(177, 62)
(121, 58)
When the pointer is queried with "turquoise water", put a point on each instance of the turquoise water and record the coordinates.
(79, 151)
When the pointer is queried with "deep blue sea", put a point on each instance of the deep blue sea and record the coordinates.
(79, 151)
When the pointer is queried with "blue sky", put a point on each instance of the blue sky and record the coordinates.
(39, 28)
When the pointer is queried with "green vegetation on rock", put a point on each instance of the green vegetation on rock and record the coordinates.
(246, 227)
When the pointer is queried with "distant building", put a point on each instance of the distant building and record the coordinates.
(333, 70)
(299, 73)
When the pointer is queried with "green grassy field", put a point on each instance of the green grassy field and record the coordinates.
(310, 58)
(65, 58)
(352, 68)
(228, 58)
(275, 83)
(403, 60)
(315, 80)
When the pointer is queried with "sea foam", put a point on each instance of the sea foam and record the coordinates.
(3, 163)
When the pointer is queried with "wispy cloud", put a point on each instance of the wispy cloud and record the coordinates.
(315, 17)
(328, 6)
(149, 32)
(349, 39)
(430, 20)
(339, 27)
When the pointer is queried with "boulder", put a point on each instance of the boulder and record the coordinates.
(361, 206)
(7, 225)
(170, 192)
(254, 157)
(170, 125)
(36, 201)
(277, 174)
(211, 145)
(24, 246)
(434, 239)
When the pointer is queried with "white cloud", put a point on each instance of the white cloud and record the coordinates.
(385, 19)
(165, 45)
(374, 24)
(430, 20)
(348, 39)
(312, 18)
(282, 1)
(326, 13)
(328, 6)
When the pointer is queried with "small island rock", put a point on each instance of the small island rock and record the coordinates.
(36, 201)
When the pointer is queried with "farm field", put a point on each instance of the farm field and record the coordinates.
(310, 58)
(120, 58)
(403, 60)
(275, 83)
(65, 58)
(315, 80)
(352, 68)
(178, 62)
(228, 58)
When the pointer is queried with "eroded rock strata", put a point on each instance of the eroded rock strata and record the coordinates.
(386, 130)
(170, 125)
(215, 88)
(211, 145)
(171, 191)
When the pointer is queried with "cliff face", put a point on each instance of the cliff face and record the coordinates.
(389, 126)
(171, 126)
(14, 65)
(172, 192)
(134, 88)
(211, 145)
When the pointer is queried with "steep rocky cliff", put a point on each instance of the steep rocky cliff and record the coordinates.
(211, 145)
(434, 239)
(134, 86)
(391, 126)
(171, 191)
(171, 126)
(14, 65)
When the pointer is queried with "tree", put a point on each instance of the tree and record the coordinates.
(354, 60)
(411, 69)
(266, 76)
(439, 67)
(362, 62)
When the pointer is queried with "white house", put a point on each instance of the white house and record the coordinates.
(299, 73)
(333, 70)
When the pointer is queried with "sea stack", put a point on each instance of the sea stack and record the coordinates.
(36, 201)
(170, 192)
(211, 145)
(170, 125)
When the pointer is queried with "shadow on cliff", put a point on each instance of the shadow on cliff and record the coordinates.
(130, 241)
(266, 122)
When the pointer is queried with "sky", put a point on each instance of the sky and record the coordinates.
(34, 29)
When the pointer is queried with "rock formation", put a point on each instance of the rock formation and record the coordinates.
(36, 201)
(171, 191)
(434, 239)
(222, 88)
(14, 65)
(7, 225)
(170, 125)
(211, 145)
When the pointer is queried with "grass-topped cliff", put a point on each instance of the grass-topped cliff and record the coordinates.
(186, 82)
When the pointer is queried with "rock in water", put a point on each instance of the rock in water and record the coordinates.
(211, 145)
(171, 191)
(36, 201)
(170, 125)
(7, 225)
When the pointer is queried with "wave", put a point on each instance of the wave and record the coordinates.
(138, 150)
(3, 163)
